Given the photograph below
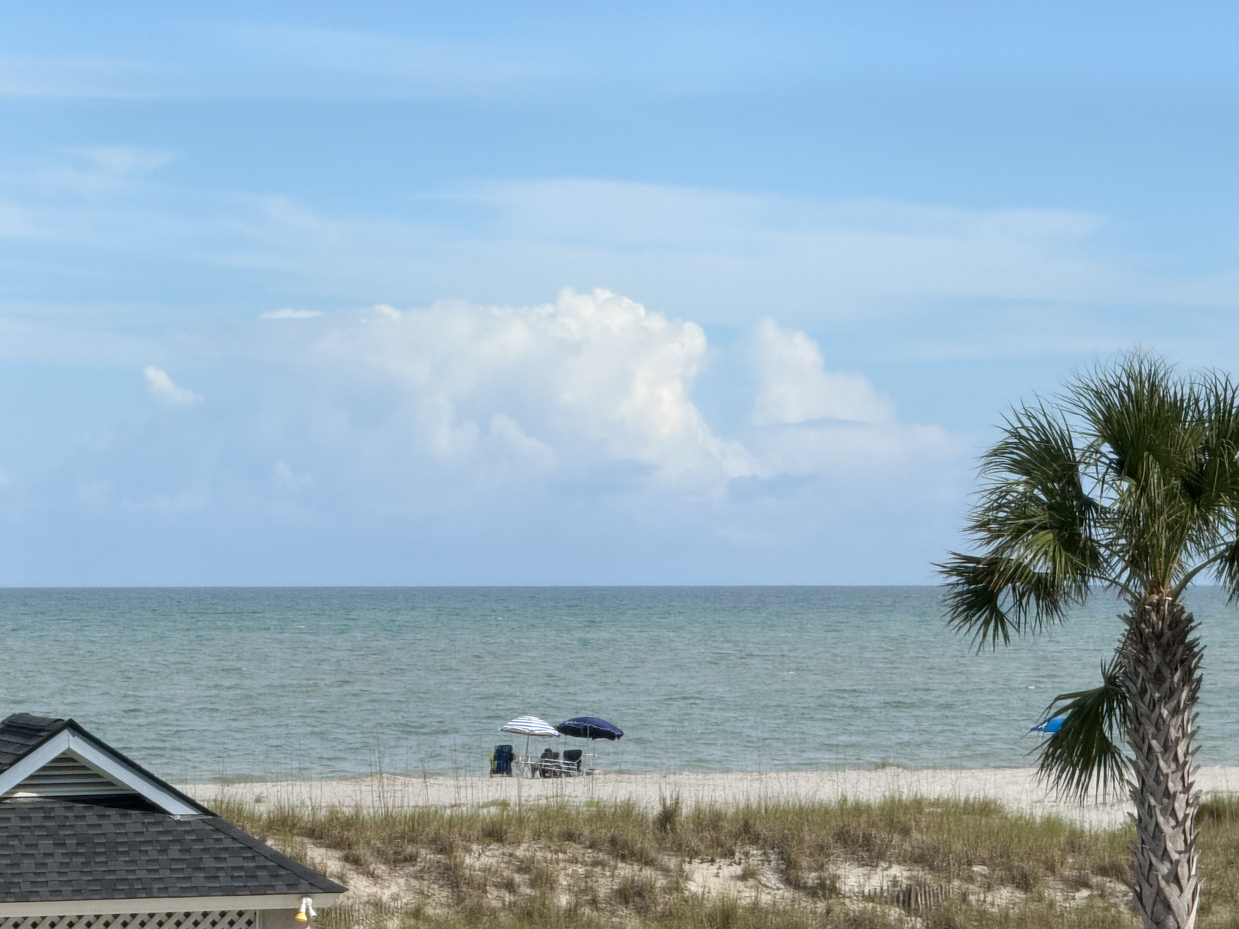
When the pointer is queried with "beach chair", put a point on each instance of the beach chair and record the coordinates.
(572, 762)
(548, 763)
(501, 761)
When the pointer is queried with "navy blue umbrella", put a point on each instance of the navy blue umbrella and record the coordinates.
(590, 727)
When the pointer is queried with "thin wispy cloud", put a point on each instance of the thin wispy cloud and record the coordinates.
(64, 77)
(290, 314)
(716, 254)
(162, 388)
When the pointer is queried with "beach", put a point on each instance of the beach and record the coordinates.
(1016, 789)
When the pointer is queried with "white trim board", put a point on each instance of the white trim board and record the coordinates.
(162, 905)
(99, 759)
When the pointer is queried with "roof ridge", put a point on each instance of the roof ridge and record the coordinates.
(29, 719)
(22, 733)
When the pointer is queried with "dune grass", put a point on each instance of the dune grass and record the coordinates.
(899, 862)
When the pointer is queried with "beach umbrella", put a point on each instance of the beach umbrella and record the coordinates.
(590, 727)
(1050, 726)
(530, 727)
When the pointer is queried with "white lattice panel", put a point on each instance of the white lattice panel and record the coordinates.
(224, 919)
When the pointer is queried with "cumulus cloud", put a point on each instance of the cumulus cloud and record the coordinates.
(591, 390)
(522, 435)
(813, 423)
(290, 314)
(591, 377)
(163, 389)
(794, 385)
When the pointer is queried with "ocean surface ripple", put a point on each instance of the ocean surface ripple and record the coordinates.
(318, 682)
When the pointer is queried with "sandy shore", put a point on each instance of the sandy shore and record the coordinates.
(1015, 788)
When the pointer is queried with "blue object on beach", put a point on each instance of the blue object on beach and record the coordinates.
(590, 727)
(1050, 725)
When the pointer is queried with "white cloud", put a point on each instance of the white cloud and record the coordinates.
(290, 314)
(124, 159)
(715, 253)
(712, 255)
(592, 377)
(457, 404)
(61, 76)
(872, 455)
(525, 439)
(160, 386)
(794, 385)
(510, 436)
(828, 425)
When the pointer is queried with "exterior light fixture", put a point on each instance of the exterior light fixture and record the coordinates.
(306, 913)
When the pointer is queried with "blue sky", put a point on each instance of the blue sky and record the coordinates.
(492, 293)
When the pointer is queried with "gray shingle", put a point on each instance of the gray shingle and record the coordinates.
(99, 850)
(22, 732)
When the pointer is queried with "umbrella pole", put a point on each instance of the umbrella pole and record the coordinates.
(527, 753)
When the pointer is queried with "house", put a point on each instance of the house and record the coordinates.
(90, 840)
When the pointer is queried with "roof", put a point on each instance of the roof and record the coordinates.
(79, 822)
(58, 849)
(22, 732)
(29, 743)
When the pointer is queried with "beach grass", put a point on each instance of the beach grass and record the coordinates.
(897, 862)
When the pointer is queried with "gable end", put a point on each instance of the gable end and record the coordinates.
(67, 775)
(41, 766)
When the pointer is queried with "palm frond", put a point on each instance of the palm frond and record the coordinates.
(1033, 525)
(993, 598)
(1228, 569)
(1083, 757)
(1163, 451)
(1213, 481)
(1034, 506)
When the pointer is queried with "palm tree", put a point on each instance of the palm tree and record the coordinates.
(1129, 481)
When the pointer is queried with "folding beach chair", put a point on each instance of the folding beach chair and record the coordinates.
(501, 761)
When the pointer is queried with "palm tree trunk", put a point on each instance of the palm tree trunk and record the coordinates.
(1161, 658)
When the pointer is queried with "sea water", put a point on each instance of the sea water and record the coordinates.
(228, 683)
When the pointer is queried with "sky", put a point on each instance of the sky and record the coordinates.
(488, 293)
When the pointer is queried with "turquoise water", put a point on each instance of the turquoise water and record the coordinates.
(326, 682)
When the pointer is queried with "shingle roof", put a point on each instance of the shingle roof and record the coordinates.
(22, 732)
(53, 850)
(126, 847)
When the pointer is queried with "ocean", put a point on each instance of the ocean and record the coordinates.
(201, 684)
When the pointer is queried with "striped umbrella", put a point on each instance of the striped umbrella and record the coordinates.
(529, 727)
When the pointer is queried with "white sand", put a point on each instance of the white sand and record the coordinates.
(1015, 788)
